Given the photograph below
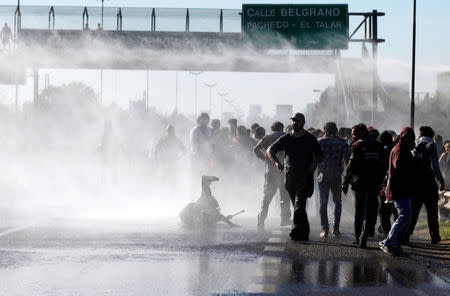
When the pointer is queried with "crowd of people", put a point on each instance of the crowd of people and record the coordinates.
(391, 176)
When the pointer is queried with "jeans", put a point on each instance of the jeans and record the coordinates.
(385, 211)
(366, 210)
(400, 226)
(325, 186)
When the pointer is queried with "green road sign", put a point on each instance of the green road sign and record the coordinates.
(309, 26)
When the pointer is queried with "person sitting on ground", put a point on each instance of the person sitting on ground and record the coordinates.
(206, 210)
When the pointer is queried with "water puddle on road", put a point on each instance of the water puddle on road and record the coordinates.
(294, 277)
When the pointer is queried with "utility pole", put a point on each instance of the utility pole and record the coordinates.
(222, 94)
(176, 92)
(101, 86)
(146, 94)
(196, 74)
(374, 60)
(413, 74)
(211, 86)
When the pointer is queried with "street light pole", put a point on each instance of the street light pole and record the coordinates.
(211, 86)
(413, 74)
(195, 90)
(221, 104)
(103, 1)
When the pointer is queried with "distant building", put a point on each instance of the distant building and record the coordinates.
(137, 106)
(283, 112)
(443, 84)
(226, 116)
(254, 114)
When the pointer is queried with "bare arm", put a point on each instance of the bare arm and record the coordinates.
(272, 156)
(257, 149)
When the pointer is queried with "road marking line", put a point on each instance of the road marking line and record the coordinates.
(278, 232)
(274, 249)
(269, 260)
(267, 273)
(277, 240)
(258, 288)
(14, 230)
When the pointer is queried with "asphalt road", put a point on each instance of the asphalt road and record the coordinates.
(163, 258)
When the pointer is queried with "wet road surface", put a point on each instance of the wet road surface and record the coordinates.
(163, 258)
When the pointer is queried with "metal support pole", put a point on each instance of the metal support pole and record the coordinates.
(85, 15)
(36, 88)
(222, 95)
(101, 87)
(196, 74)
(153, 22)
(221, 21)
(176, 92)
(103, 2)
(17, 99)
(51, 16)
(413, 72)
(119, 20)
(210, 86)
(187, 20)
(146, 96)
(374, 56)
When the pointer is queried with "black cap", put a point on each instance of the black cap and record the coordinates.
(298, 116)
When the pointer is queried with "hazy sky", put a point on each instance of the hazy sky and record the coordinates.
(433, 55)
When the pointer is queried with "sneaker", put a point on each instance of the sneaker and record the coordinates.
(336, 232)
(356, 243)
(385, 249)
(324, 234)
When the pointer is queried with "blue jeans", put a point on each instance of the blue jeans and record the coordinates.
(325, 186)
(398, 230)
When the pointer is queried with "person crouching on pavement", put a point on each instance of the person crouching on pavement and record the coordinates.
(403, 174)
(302, 152)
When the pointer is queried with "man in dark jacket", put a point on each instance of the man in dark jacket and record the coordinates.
(365, 172)
(426, 152)
(273, 179)
(302, 153)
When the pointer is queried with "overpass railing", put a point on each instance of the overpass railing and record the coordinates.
(131, 18)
